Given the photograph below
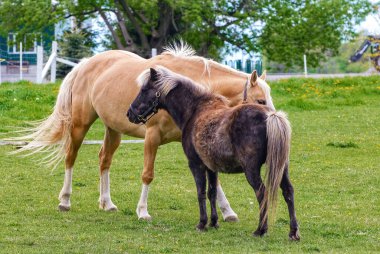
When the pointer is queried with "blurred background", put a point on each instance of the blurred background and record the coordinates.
(287, 38)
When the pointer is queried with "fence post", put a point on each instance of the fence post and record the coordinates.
(21, 61)
(40, 58)
(154, 52)
(305, 65)
(53, 69)
(1, 60)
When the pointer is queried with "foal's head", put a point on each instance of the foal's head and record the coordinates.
(147, 101)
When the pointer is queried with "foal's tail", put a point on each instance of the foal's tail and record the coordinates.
(278, 136)
(52, 135)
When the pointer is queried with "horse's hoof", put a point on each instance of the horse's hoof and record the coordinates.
(111, 209)
(145, 217)
(231, 218)
(63, 208)
(294, 236)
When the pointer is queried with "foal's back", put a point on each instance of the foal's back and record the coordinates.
(224, 137)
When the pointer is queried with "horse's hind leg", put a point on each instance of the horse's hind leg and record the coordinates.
(111, 143)
(254, 179)
(77, 135)
(288, 193)
(211, 194)
(228, 214)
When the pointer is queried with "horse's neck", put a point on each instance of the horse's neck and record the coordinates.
(181, 103)
(222, 80)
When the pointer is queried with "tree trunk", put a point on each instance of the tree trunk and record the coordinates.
(116, 38)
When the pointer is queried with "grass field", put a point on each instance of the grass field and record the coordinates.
(335, 169)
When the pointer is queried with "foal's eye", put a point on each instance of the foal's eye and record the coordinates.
(262, 102)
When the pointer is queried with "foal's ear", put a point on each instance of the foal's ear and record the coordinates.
(153, 74)
(253, 78)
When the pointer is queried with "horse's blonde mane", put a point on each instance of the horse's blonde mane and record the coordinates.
(184, 50)
(180, 49)
(167, 80)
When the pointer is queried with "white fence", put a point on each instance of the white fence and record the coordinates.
(19, 68)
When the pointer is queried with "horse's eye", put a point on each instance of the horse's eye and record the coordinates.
(262, 102)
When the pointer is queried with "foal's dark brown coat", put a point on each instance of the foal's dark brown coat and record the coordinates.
(216, 138)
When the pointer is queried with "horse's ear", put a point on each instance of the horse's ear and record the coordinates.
(253, 78)
(264, 75)
(153, 74)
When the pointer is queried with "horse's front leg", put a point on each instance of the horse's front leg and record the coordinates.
(111, 143)
(151, 143)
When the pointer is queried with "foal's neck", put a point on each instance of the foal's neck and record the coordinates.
(182, 102)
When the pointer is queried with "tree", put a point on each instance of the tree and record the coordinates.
(72, 47)
(282, 30)
(313, 28)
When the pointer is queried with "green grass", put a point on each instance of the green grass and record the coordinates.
(335, 170)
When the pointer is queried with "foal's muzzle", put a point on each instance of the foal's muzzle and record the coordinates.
(137, 118)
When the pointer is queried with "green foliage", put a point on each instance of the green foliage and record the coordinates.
(281, 30)
(73, 46)
(27, 17)
(313, 28)
(337, 191)
(333, 64)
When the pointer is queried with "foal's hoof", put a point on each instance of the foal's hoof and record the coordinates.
(63, 208)
(214, 225)
(231, 218)
(259, 232)
(294, 235)
(201, 227)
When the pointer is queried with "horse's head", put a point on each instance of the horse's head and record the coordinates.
(258, 91)
(147, 101)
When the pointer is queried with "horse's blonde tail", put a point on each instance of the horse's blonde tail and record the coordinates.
(52, 135)
(278, 148)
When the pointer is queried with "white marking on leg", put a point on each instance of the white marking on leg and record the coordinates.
(105, 201)
(224, 205)
(142, 206)
(64, 195)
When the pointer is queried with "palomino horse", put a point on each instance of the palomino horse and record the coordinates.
(216, 137)
(104, 86)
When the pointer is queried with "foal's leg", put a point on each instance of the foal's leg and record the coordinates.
(151, 143)
(254, 179)
(111, 143)
(211, 194)
(77, 135)
(288, 193)
(199, 174)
